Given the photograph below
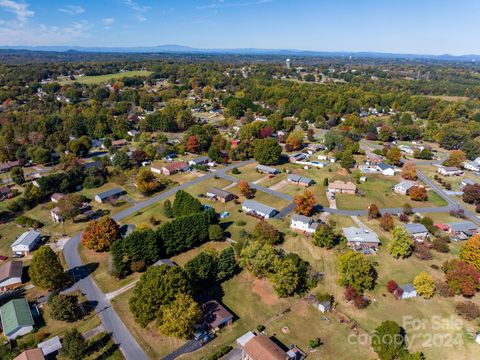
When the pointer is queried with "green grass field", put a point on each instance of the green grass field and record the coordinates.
(92, 80)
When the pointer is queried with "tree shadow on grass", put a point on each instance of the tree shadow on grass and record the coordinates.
(81, 272)
(104, 344)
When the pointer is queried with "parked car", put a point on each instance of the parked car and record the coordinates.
(3, 257)
(17, 256)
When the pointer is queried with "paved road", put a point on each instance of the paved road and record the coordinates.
(110, 320)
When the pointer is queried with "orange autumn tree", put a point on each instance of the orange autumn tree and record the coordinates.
(456, 158)
(418, 193)
(470, 251)
(245, 189)
(304, 203)
(100, 235)
(192, 144)
(408, 171)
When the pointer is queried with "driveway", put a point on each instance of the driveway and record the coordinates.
(190, 346)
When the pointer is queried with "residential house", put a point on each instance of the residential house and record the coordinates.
(406, 291)
(5, 193)
(16, 318)
(341, 187)
(267, 170)
(261, 118)
(202, 160)
(216, 316)
(56, 215)
(313, 148)
(109, 194)
(11, 275)
(418, 231)
(50, 346)
(220, 195)
(449, 171)
(167, 262)
(477, 160)
(471, 165)
(299, 180)
(26, 242)
(6, 167)
(93, 165)
(56, 197)
(406, 149)
(261, 347)
(466, 182)
(373, 159)
(133, 133)
(297, 157)
(254, 208)
(303, 223)
(360, 239)
(461, 230)
(31, 354)
(119, 143)
(385, 169)
(404, 187)
(171, 169)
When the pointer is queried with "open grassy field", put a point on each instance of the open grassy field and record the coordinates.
(100, 263)
(98, 79)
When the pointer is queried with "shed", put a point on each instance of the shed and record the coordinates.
(109, 194)
(50, 346)
(215, 315)
(11, 275)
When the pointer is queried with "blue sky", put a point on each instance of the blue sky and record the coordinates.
(405, 26)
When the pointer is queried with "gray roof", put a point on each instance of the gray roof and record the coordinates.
(405, 184)
(407, 288)
(27, 238)
(50, 346)
(267, 169)
(302, 218)
(450, 168)
(219, 192)
(468, 181)
(200, 160)
(165, 262)
(110, 193)
(299, 179)
(462, 226)
(259, 207)
(359, 235)
(415, 228)
(95, 164)
(384, 166)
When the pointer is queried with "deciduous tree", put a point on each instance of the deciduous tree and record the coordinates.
(418, 193)
(373, 212)
(356, 271)
(304, 203)
(408, 171)
(324, 236)
(146, 182)
(267, 151)
(45, 270)
(470, 251)
(424, 285)
(179, 317)
(401, 244)
(74, 345)
(100, 235)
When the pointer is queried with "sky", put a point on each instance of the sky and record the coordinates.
(395, 26)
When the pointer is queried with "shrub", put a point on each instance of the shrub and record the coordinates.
(392, 286)
(422, 252)
(443, 289)
(235, 171)
(440, 245)
(240, 223)
(404, 218)
(260, 328)
(468, 310)
(314, 343)
(220, 353)
(360, 302)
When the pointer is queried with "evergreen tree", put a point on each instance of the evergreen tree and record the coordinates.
(45, 270)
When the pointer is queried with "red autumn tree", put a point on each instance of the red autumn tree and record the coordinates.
(392, 286)
(192, 144)
(386, 222)
(462, 278)
(266, 132)
(373, 212)
(100, 235)
(304, 203)
(350, 293)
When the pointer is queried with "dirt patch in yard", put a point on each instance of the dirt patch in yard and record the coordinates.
(278, 186)
(342, 172)
(262, 288)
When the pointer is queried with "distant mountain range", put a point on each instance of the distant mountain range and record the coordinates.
(179, 49)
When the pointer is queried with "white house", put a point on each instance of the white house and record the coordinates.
(449, 171)
(404, 187)
(418, 232)
(360, 239)
(252, 207)
(471, 165)
(386, 169)
(303, 223)
(477, 338)
(26, 242)
(406, 291)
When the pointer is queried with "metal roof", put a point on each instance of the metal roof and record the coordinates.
(359, 235)
(258, 207)
(27, 238)
(110, 193)
(415, 228)
(15, 314)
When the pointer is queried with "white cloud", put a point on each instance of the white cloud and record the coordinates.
(108, 21)
(139, 9)
(72, 9)
(222, 4)
(18, 8)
